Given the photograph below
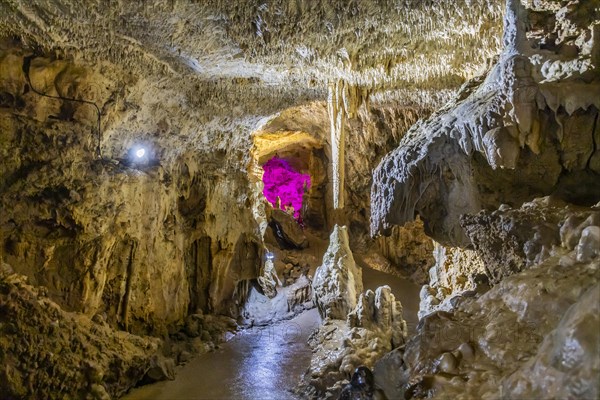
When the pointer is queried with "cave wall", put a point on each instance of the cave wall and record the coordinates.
(508, 311)
(373, 131)
(147, 243)
(144, 244)
(526, 129)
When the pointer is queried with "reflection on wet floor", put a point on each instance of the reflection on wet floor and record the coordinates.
(264, 362)
(259, 363)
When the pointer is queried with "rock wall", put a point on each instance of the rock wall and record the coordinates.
(50, 353)
(533, 335)
(526, 129)
(143, 243)
(456, 272)
(510, 240)
(301, 132)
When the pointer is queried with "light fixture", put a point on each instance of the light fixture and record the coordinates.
(141, 155)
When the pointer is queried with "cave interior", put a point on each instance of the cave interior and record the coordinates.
(298, 199)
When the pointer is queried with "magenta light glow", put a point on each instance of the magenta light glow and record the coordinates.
(282, 180)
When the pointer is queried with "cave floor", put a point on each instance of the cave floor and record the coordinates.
(264, 362)
(258, 363)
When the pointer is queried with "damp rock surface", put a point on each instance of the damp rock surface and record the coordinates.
(338, 281)
(519, 131)
(513, 338)
(50, 353)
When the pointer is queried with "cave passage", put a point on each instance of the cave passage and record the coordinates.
(264, 362)
(259, 363)
(282, 181)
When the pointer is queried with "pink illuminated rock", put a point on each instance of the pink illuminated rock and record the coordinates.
(281, 180)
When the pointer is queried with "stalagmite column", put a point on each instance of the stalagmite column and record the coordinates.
(338, 281)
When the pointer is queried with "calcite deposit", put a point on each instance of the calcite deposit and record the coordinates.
(56, 354)
(373, 328)
(452, 143)
(338, 281)
(524, 338)
(526, 128)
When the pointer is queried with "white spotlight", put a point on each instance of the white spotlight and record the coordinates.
(140, 153)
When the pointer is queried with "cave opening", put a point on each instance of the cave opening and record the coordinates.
(285, 186)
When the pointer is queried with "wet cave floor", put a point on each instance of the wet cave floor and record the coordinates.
(264, 362)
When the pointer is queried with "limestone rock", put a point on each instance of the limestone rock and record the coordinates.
(506, 138)
(456, 271)
(588, 247)
(533, 334)
(161, 369)
(289, 301)
(268, 279)
(510, 240)
(408, 250)
(245, 57)
(379, 310)
(47, 352)
(338, 281)
(286, 230)
(373, 328)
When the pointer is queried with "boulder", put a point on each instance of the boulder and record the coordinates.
(286, 231)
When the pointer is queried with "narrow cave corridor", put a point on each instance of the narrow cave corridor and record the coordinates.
(284, 186)
(300, 200)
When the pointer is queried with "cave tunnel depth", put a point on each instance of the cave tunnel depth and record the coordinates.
(284, 186)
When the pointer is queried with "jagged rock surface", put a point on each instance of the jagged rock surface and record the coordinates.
(53, 354)
(409, 252)
(286, 231)
(510, 240)
(501, 343)
(373, 328)
(380, 310)
(525, 129)
(456, 272)
(277, 51)
(338, 281)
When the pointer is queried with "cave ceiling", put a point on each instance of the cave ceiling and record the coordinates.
(228, 64)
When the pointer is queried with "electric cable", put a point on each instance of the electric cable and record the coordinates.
(27, 65)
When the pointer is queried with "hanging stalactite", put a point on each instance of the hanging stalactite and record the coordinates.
(343, 101)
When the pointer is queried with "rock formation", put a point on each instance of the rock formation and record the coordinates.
(373, 328)
(338, 281)
(57, 354)
(526, 128)
(134, 230)
(521, 131)
(524, 338)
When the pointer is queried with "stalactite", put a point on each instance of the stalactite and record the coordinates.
(343, 102)
(336, 119)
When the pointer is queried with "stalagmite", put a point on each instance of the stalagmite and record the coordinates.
(239, 143)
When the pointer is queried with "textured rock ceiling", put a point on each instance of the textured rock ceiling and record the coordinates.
(411, 49)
